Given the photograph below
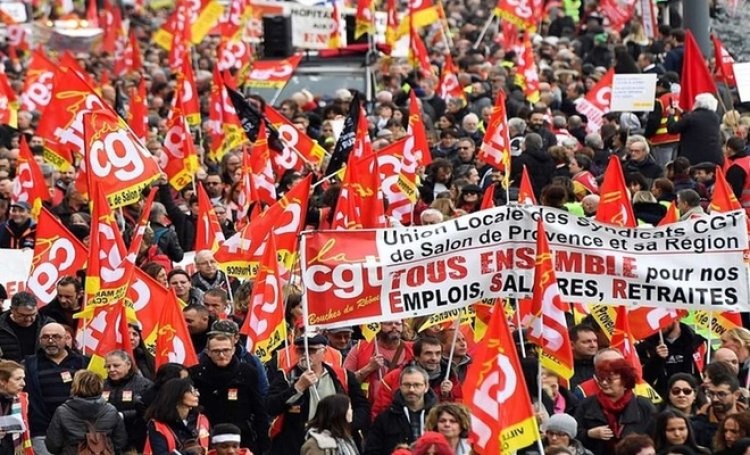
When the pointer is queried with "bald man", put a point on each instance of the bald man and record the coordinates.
(49, 375)
(727, 356)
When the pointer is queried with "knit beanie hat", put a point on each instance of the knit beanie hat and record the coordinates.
(563, 423)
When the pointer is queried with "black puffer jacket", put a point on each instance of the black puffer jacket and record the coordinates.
(125, 395)
(68, 427)
(9, 344)
(700, 136)
(540, 165)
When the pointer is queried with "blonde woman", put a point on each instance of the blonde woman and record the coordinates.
(738, 340)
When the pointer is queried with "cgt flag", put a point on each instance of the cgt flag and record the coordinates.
(502, 419)
(173, 342)
(264, 325)
(615, 207)
(548, 327)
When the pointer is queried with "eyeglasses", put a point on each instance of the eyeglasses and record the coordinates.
(26, 317)
(51, 337)
(609, 379)
(687, 391)
(221, 352)
(720, 395)
(409, 386)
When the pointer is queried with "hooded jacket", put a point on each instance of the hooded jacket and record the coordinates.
(68, 427)
(323, 443)
(393, 427)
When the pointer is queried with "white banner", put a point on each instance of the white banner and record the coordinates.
(396, 273)
(14, 269)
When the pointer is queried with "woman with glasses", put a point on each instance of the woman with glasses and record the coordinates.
(560, 432)
(174, 423)
(673, 428)
(614, 411)
(682, 394)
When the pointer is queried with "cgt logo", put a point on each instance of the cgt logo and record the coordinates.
(496, 388)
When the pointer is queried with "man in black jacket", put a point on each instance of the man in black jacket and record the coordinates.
(295, 394)
(229, 392)
(404, 421)
(538, 163)
(165, 238)
(20, 327)
(49, 375)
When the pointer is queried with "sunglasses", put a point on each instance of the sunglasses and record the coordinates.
(685, 391)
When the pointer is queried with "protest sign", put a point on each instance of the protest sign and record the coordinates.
(633, 92)
(380, 275)
(742, 76)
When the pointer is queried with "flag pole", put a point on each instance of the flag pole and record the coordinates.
(306, 315)
(519, 328)
(453, 347)
(487, 25)
(377, 352)
(710, 335)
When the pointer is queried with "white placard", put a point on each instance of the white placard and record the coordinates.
(633, 92)
(742, 76)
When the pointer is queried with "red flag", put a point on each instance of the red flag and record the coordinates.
(525, 190)
(524, 15)
(488, 201)
(106, 275)
(179, 159)
(8, 103)
(596, 102)
(389, 167)
(619, 12)
(190, 101)
(549, 329)
(296, 143)
(138, 112)
(671, 216)
(360, 202)
(527, 75)
(37, 87)
(495, 149)
(264, 325)
(92, 14)
(116, 158)
(56, 254)
(622, 339)
(418, 55)
(723, 198)
(224, 127)
(646, 321)
(724, 62)
(241, 253)
(364, 19)
(421, 148)
(107, 331)
(696, 78)
(146, 295)
(29, 185)
(615, 207)
(502, 419)
(173, 342)
(208, 233)
(449, 87)
(260, 168)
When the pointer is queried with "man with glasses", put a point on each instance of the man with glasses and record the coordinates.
(208, 276)
(229, 392)
(214, 187)
(296, 391)
(723, 395)
(465, 152)
(20, 327)
(403, 422)
(49, 375)
(641, 160)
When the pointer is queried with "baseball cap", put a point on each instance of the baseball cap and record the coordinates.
(313, 338)
(22, 204)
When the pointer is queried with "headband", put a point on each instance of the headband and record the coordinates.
(227, 437)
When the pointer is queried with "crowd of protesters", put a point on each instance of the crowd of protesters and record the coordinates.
(334, 392)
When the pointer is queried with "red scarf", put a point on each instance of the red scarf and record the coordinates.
(613, 409)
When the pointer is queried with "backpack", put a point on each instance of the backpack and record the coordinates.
(95, 442)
